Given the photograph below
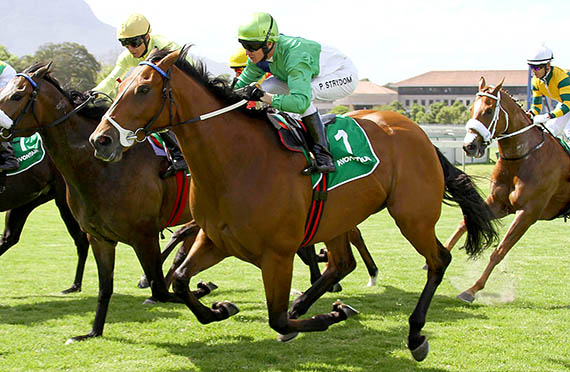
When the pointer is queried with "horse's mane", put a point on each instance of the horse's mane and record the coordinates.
(76, 98)
(198, 71)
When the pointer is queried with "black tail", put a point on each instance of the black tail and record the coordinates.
(481, 230)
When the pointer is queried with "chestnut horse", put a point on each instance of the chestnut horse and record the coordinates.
(531, 178)
(113, 203)
(25, 191)
(251, 201)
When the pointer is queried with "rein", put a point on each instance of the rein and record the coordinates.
(489, 134)
(127, 137)
(31, 103)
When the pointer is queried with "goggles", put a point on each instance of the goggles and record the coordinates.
(134, 42)
(251, 46)
(537, 67)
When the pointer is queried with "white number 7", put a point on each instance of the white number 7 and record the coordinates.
(342, 134)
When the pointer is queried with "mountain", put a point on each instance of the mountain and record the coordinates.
(28, 24)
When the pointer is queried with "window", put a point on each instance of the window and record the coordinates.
(423, 102)
(407, 102)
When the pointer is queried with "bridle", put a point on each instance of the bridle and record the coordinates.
(12, 132)
(488, 134)
(127, 137)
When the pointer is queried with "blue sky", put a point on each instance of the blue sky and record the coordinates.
(389, 41)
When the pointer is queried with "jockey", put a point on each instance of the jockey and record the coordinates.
(8, 161)
(134, 35)
(554, 83)
(303, 70)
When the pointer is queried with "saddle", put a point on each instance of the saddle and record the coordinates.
(292, 132)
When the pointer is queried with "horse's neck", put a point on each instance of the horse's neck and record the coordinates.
(521, 143)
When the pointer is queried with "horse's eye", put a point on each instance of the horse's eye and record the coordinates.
(16, 97)
(488, 111)
(143, 89)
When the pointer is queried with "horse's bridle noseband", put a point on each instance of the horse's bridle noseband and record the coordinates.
(127, 137)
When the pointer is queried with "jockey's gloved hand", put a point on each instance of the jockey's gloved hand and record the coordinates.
(253, 92)
(541, 118)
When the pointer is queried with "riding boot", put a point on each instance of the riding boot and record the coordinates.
(8, 160)
(176, 157)
(325, 163)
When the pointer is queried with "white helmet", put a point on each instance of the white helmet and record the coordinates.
(540, 56)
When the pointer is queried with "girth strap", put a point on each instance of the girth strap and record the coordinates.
(320, 195)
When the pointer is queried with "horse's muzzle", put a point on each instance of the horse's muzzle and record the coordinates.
(106, 148)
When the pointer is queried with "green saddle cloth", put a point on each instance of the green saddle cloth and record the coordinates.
(29, 151)
(353, 155)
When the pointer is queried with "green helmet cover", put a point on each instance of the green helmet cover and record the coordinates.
(259, 27)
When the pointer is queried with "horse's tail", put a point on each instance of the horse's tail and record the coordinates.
(481, 230)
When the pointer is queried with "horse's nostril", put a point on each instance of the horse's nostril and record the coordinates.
(104, 140)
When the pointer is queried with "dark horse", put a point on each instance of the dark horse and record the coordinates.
(531, 178)
(260, 219)
(126, 202)
(23, 192)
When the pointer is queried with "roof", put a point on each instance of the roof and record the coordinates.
(466, 78)
(368, 87)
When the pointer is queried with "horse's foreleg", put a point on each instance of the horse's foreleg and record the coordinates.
(522, 221)
(203, 254)
(14, 222)
(104, 253)
(358, 242)
(79, 238)
(309, 258)
(340, 263)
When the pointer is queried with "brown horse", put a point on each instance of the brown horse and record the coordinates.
(250, 199)
(531, 178)
(23, 192)
(113, 203)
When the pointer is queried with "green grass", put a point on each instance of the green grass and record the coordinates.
(518, 323)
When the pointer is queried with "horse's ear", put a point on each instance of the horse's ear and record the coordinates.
(482, 84)
(40, 72)
(498, 87)
(170, 58)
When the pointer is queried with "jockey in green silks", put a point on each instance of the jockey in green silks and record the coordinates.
(302, 71)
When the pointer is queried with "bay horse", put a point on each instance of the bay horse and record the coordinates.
(23, 192)
(251, 201)
(531, 178)
(126, 202)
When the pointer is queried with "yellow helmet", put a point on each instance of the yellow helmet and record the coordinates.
(135, 25)
(238, 59)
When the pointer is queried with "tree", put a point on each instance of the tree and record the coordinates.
(72, 65)
(8, 57)
(339, 110)
(394, 106)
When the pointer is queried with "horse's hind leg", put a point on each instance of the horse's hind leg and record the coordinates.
(357, 240)
(421, 234)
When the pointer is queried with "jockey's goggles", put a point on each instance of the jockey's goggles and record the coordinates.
(134, 42)
(251, 46)
(537, 67)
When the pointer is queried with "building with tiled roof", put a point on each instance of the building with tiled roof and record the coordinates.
(365, 96)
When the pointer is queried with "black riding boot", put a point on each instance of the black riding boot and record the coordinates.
(325, 163)
(176, 157)
(8, 161)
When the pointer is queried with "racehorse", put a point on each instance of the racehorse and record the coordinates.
(23, 192)
(126, 202)
(531, 178)
(251, 201)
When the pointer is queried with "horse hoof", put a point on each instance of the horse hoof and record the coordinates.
(70, 341)
(421, 352)
(372, 281)
(143, 282)
(466, 297)
(336, 288)
(72, 289)
(227, 306)
(209, 286)
(150, 301)
(287, 337)
(347, 310)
